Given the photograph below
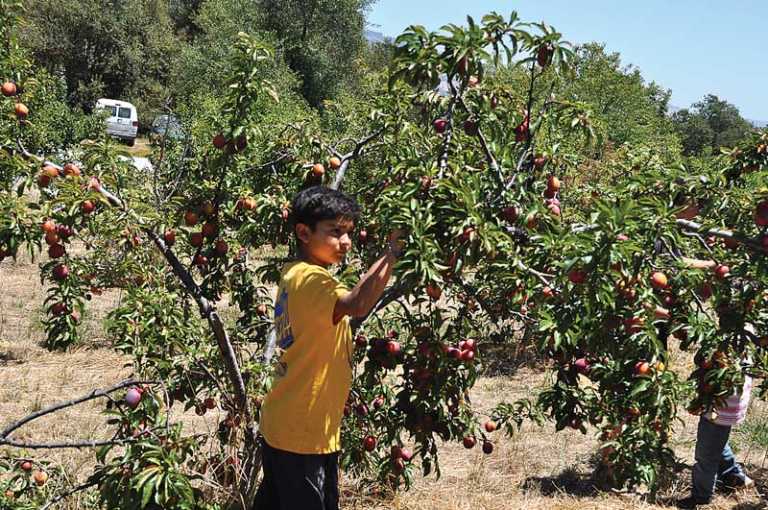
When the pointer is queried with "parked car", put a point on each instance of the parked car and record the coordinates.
(122, 119)
(168, 126)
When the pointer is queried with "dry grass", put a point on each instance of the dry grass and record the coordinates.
(536, 469)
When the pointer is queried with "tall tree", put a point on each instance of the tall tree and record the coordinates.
(320, 40)
(710, 124)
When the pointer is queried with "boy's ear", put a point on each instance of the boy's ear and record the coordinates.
(303, 232)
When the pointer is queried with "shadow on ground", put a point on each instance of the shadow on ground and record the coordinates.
(569, 482)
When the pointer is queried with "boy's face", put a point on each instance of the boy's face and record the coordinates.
(328, 243)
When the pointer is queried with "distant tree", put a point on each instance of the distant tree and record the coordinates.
(122, 50)
(630, 109)
(710, 124)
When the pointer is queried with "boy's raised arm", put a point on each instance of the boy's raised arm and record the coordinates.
(364, 296)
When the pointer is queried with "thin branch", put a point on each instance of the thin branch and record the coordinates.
(87, 485)
(70, 403)
(755, 244)
(347, 158)
(391, 294)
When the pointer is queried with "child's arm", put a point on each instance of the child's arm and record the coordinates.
(362, 298)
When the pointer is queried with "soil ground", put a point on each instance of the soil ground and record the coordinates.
(536, 469)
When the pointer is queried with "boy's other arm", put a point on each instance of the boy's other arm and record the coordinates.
(364, 296)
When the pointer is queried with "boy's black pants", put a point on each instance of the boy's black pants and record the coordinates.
(294, 481)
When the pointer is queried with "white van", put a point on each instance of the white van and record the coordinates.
(122, 119)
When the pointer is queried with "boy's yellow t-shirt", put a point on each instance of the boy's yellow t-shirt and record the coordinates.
(302, 412)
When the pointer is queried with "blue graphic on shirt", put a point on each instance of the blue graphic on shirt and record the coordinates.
(282, 323)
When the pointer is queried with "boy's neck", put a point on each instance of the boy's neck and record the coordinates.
(309, 259)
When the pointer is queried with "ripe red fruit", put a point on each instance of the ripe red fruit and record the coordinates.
(469, 442)
(8, 89)
(622, 237)
(132, 398)
(722, 271)
(761, 214)
(642, 368)
(440, 125)
(196, 239)
(26, 466)
(362, 236)
(434, 291)
(51, 238)
(209, 403)
(510, 213)
(577, 276)
(730, 243)
(334, 163)
(544, 54)
(369, 443)
(318, 170)
(398, 466)
(60, 272)
(190, 218)
(393, 347)
(553, 183)
(659, 280)
(48, 226)
(554, 209)
(470, 127)
(539, 161)
(521, 132)
(87, 207)
(467, 355)
(487, 447)
(490, 426)
(582, 366)
(21, 111)
(71, 170)
(453, 352)
(58, 309)
(470, 344)
(200, 260)
(221, 247)
(219, 141)
(40, 477)
(361, 409)
(64, 231)
(210, 229)
(170, 237)
(56, 251)
(406, 454)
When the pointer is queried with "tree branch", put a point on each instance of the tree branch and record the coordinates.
(87, 485)
(347, 158)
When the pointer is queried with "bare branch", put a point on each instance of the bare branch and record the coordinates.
(347, 158)
(64, 495)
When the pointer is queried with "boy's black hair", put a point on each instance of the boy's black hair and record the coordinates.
(319, 203)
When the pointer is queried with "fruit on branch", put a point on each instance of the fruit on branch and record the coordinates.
(132, 397)
(582, 366)
(554, 209)
(539, 162)
(532, 221)
(521, 131)
(334, 163)
(48, 226)
(26, 466)
(58, 309)
(722, 271)
(169, 237)
(210, 229)
(369, 443)
(8, 89)
(544, 54)
(221, 247)
(487, 447)
(200, 260)
(468, 355)
(577, 276)
(510, 214)
(51, 238)
(190, 218)
(466, 234)
(219, 141)
(490, 426)
(60, 273)
(56, 251)
(470, 127)
(247, 203)
(398, 466)
(642, 368)
(21, 111)
(553, 183)
(72, 170)
(40, 477)
(434, 291)
(64, 231)
(469, 442)
(731, 243)
(462, 65)
(761, 214)
(87, 207)
(285, 213)
(393, 348)
(318, 170)
(440, 125)
(659, 280)
(196, 239)
(209, 403)
(262, 309)
(705, 291)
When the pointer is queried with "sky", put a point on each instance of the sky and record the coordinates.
(693, 47)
